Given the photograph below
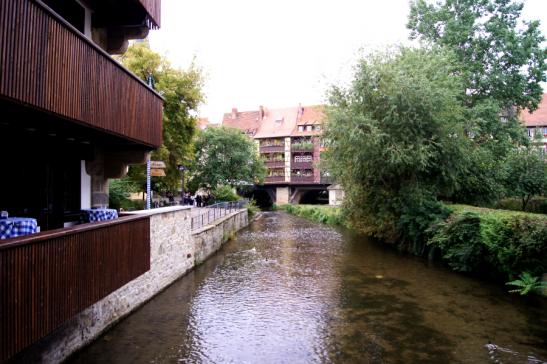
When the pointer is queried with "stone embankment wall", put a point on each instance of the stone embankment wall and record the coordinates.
(174, 250)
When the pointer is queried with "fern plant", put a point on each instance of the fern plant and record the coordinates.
(526, 284)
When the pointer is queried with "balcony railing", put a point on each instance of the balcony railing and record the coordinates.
(49, 277)
(275, 164)
(274, 179)
(302, 165)
(302, 179)
(272, 148)
(47, 64)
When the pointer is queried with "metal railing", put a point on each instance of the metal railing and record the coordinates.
(214, 212)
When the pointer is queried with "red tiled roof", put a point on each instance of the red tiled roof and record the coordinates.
(246, 121)
(312, 115)
(277, 123)
(203, 123)
(538, 117)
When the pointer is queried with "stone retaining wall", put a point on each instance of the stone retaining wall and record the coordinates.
(174, 250)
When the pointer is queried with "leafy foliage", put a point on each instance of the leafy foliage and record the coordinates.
(526, 174)
(460, 241)
(182, 91)
(495, 242)
(119, 193)
(395, 140)
(225, 156)
(224, 194)
(526, 284)
(501, 57)
(319, 213)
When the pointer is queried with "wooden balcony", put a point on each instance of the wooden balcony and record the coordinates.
(302, 179)
(49, 277)
(302, 165)
(272, 149)
(48, 65)
(275, 164)
(274, 179)
(153, 8)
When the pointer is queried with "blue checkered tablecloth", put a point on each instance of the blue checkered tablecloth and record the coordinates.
(13, 227)
(93, 215)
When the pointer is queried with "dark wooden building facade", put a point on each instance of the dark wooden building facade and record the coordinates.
(71, 117)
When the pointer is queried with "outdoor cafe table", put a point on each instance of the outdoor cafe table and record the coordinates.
(93, 215)
(13, 227)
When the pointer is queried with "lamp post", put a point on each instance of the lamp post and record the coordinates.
(182, 168)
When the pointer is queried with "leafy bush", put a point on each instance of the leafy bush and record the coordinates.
(119, 190)
(252, 208)
(499, 243)
(224, 194)
(459, 239)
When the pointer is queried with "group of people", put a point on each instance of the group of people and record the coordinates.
(198, 200)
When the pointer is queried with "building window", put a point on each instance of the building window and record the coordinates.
(300, 127)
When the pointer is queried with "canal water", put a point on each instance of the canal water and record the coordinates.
(287, 290)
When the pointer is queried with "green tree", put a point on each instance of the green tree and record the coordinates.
(501, 57)
(395, 140)
(526, 175)
(182, 91)
(226, 157)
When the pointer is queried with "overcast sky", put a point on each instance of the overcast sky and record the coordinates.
(279, 53)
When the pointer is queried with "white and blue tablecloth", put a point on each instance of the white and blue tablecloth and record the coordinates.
(13, 227)
(93, 215)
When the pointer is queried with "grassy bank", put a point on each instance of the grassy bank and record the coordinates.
(320, 213)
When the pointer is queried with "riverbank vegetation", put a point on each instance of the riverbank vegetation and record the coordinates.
(440, 122)
(501, 245)
(320, 213)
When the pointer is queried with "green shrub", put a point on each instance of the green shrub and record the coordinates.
(459, 239)
(252, 208)
(499, 243)
(224, 194)
(526, 284)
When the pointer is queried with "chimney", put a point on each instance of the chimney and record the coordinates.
(234, 113)
(261, 112)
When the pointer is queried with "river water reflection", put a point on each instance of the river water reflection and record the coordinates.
(287, 290)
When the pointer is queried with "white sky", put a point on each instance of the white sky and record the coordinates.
(279, 53)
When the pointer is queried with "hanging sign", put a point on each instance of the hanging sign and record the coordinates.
(157, 165)
(157, 172)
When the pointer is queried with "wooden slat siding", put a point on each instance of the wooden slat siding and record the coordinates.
(48, 278)
(47, 64)
(153, 8)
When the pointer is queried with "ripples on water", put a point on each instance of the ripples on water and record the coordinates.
(290, 291)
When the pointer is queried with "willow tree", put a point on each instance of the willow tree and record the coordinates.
(395, 140)
(182, 91)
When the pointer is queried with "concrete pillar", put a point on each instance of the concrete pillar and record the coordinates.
(85, 187)
(282, 195)
(288, 157)
(109, 164)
